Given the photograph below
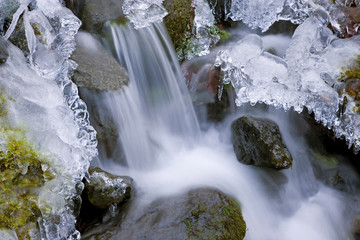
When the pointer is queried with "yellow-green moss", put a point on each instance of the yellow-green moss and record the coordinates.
(215, 30)
(120, 21)
(352, 71)
(222, 221)
(21, 176)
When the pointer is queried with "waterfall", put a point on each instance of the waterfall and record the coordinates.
(156, 103)
(157, 124)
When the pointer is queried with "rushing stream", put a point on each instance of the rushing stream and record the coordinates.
(165, 141)
(166, 154)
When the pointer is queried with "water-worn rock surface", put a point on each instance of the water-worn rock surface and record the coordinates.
(198, 214)
(258, 142)
(104, 189)
(97, 69)
(102, 194)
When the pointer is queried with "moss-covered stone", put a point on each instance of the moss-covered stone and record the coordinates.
(22, 173)
(352, 71)
(198, 214)
(179, 22)
(224, 223)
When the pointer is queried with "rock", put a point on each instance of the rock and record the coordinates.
(94, 13)
(3, 51)
(198, 214)
(356, 227)
(258, 142)
(97, 69)
(104, 189)
(333, 162)
(180, 21)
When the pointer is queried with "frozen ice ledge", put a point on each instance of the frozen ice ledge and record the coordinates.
(44, 111)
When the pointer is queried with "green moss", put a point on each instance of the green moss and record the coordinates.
(179, 21)
(328, 161)
(21, 176)
(214, 30)
(234, 224)
(222, 221)
(120, 21)
(352, 71)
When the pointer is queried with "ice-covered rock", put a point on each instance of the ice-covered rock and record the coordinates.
(144, 12)
(306, 77)
(47, 105)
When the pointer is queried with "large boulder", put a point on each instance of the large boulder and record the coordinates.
(97, 69)
(258, 142)
(198, 214)
(94, 13)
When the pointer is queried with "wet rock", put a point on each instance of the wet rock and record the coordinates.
(258, 142)
(179, 22)
(94, 13)
(198, 214)
(104, 189)
(97, 69)
(333, 162)
(98, 73)
(356, 227)
(3, 51)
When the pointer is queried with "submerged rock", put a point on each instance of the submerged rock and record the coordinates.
(97, 69)
(3, 51)
(258, 142)
(198, 214)
(104, 189)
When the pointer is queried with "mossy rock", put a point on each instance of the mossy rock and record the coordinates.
(198, 214)
(104, 189)
(179, 22)
(23, 171)
(258, 142)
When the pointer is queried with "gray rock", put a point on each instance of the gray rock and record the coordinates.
(94, 13)
(3, 51)
(97, 69)
(259, 142)
(104, 189)
(198, 214)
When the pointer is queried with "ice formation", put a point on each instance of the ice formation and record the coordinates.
(142, 13)
(306, 77)
(47, 103)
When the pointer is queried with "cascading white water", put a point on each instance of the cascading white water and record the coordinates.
(156, 102)
(156, 124)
